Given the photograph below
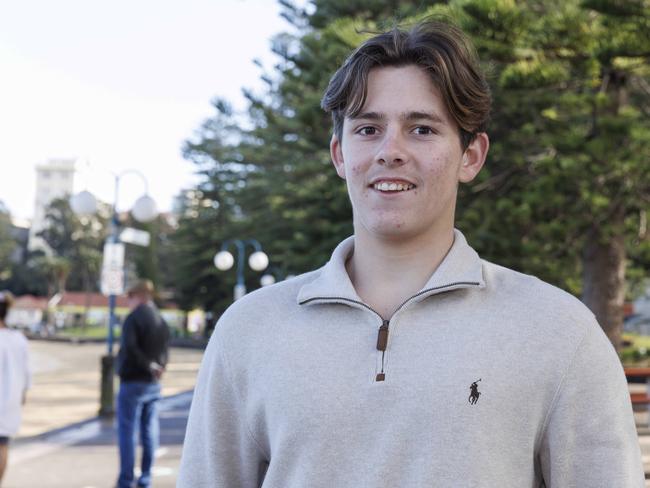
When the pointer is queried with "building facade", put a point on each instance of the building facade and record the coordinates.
(54, 179)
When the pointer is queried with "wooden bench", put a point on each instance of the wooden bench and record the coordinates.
(640, 398)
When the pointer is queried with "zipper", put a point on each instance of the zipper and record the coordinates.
(382, 342)
(382, 333)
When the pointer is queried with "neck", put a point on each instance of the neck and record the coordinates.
(385, 272)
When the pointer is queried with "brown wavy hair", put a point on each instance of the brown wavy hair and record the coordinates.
(441, 50)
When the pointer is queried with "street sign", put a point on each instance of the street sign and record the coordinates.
(113, 255)
(112, 282)
(135, 236)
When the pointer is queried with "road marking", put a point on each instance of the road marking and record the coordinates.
(156, 471)
(55, 442)
(176, 401)
(75, 435)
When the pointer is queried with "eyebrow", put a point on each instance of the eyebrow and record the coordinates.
(368, 116)
(432, 117)
(408, 116)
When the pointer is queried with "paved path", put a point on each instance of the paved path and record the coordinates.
(62, 444)
(65, 389)
(85, 455)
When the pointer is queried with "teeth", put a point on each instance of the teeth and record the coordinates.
(386, 186)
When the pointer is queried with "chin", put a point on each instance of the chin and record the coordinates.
(390, 230)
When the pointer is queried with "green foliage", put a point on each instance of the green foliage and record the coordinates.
(19, 270)
(77, 241)
(26, 278)
(272, 182)
(570, 132)
(388, 11)
(7, 243)
(154, 261)
(637, 349)
(89, 332)
(56, 270)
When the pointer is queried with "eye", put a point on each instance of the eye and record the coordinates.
(423, 130)
(367, 131)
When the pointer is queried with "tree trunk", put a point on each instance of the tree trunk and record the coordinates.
(604, 282)
(604, 253)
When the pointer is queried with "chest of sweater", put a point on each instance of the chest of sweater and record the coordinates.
(454, 384)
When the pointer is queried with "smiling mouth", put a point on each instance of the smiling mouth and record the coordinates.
(386, 186)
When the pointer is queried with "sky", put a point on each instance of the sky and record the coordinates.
(119, 86)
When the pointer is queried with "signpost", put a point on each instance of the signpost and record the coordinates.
(113, 269)
(112, 281)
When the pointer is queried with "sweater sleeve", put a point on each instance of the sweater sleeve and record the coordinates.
(590, 439)
(219, 450)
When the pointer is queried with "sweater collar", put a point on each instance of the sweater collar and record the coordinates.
(461, 268)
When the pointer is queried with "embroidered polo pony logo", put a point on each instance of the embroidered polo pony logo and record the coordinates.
(474, 393)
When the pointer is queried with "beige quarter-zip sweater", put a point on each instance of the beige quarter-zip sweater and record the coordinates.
(485, 378)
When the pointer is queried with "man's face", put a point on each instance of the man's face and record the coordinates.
(401, 157)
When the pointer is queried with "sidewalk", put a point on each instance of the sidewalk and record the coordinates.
(66, 383)
(85, 455)
(62, 443)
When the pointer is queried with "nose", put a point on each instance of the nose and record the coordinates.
(392, 151)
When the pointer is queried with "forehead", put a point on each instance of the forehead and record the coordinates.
(395, 91)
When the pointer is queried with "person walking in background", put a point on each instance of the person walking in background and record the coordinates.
(141, 362)
(357, 374)
(15, 379)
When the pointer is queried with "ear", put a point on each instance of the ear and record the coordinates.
(337, 156)
(474, 157)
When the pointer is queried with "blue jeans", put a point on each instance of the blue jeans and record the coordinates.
(137, 410)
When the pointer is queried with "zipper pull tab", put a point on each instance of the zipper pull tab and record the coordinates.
(382, 336)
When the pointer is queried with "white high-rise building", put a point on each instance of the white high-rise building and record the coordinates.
(54, 179)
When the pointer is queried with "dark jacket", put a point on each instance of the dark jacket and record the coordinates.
(145, 339)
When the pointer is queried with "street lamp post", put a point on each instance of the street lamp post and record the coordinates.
(258, 261)
(144, 210)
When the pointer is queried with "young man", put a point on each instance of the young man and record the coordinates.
(141, 363)
(15, 379)
(407, 361)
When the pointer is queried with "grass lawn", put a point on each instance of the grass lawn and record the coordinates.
(638, 352)
(92, 332)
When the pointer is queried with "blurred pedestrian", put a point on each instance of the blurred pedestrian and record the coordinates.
(140, 364)
(357, 374)
(15, 379)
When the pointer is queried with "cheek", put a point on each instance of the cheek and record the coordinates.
(355, 175)
(442, 171)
